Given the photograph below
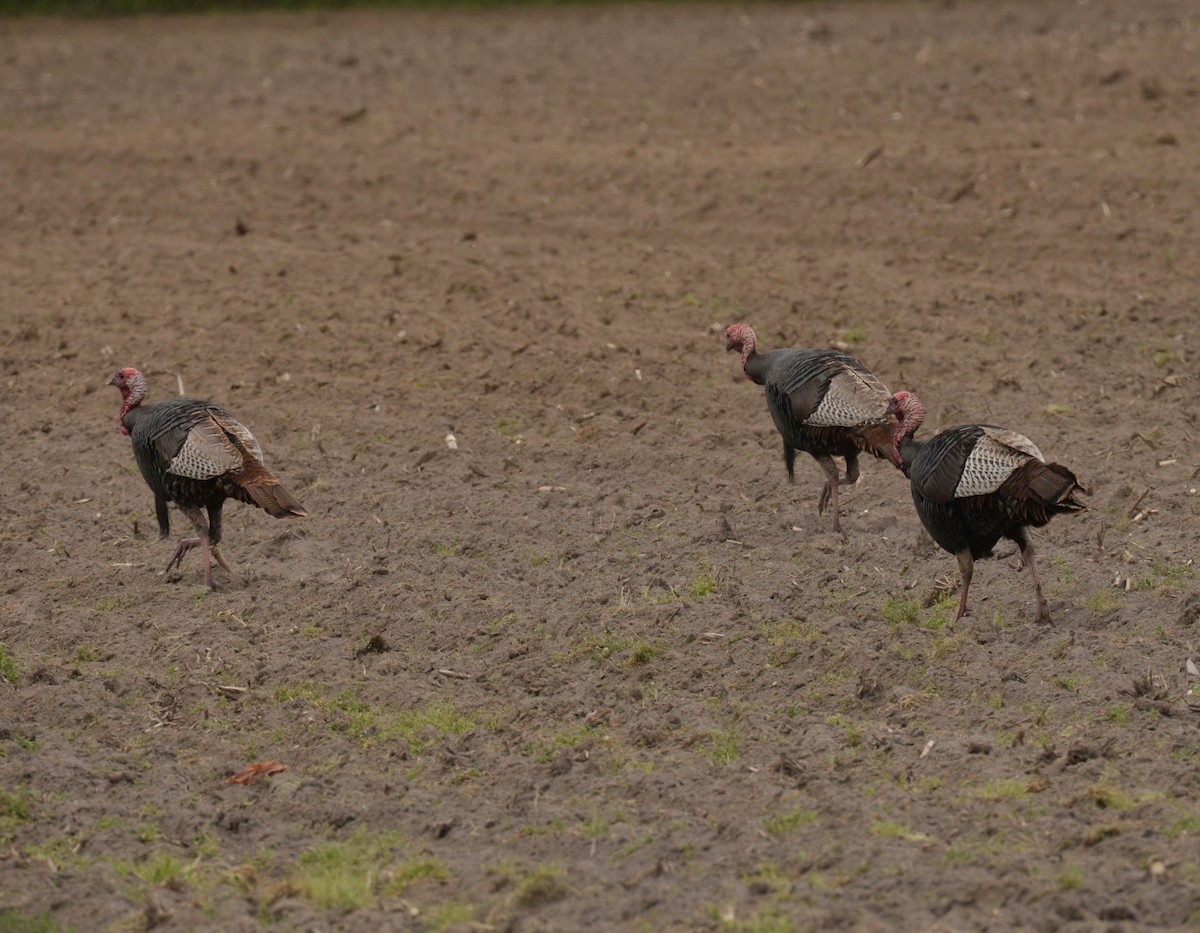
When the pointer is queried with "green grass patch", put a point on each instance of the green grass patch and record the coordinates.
(87, 654)
(768, 920)
(507, 427)
(1013, 788)
(351, 873)
(1071, 877)
(1164, 575)
(899, 611)
(702, 585)
(8, 666)
(891, 829)
(788, 631)
(543, 750)
(1108, 796)
(851, 732)
(113, 603)
(1184, 824)
(643, 652)
(16, 807)
(792, 819)
(724, 746)
(340, 874)
(975, 850)
(403, 875)
(606, 644)
(61, 852)
(452, 914)
(16, 921)
(1102, 601)
(160, 868)
(543, 885)
(148, 831)
(767, 877)
(598, 824)
(370, 725)
(632, 846)
(1118, 713)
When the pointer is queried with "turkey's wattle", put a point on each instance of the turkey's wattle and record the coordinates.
(977, 483)
(197, 455)
(823, 403)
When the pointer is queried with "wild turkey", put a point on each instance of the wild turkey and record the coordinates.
(196, 455)
(977, 483)
(823, 403)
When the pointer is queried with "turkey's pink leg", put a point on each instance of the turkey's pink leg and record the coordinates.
(1043, 615)
(201, 541)
(833, 499)
(966, 566)
(829, 492)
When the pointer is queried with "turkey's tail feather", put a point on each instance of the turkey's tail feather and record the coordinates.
(1054, 485)
(1044, 490)
(259, 486)
(277, 501)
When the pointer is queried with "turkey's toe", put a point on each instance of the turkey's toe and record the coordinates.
(185, 545)
(221, 560)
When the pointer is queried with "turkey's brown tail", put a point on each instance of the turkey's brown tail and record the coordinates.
(1055, 486)
(1043, 491)
(261, 487)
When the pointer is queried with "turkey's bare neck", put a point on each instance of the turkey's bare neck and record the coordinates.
(753, 365)
(129, 415)
(907, 450)
(906, 445)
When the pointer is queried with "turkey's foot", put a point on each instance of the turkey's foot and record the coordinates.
(185, 545)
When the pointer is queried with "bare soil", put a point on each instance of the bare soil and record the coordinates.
(597, 665)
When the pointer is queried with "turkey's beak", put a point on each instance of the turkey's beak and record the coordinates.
(112, 381)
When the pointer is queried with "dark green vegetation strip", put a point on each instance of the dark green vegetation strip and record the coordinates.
(132, 7)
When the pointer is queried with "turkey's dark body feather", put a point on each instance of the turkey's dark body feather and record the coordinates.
(826, 404)
(796, 383)
(975, 484)
(1031, 495)
(197, 455)
(158, 432)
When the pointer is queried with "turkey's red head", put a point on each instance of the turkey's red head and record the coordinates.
(909, 413)
(132, 386)
(741, 337)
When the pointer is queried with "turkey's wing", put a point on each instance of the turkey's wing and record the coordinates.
(996, 456)
(853, 398)
(199, 451)
(240, 433)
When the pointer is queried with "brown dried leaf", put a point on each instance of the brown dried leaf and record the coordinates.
(254, 771)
